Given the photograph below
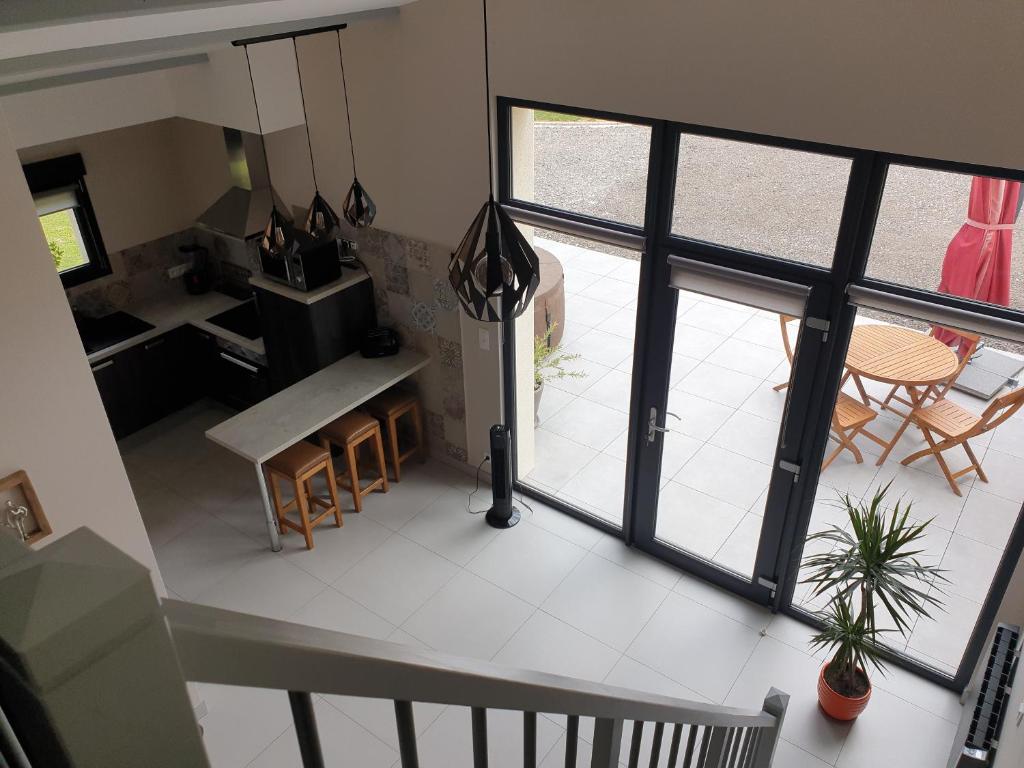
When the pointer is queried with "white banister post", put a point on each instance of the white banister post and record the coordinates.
(775, 704)
(82, 627)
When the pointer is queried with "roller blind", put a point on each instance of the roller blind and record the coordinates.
(756, 291)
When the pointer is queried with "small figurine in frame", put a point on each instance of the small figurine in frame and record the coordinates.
(20, 511)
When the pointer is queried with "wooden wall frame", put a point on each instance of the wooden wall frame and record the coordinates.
(16, 490)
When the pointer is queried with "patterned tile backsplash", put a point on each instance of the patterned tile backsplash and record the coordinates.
(415, 298)
(411, 288)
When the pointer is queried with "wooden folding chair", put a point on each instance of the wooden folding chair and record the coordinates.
(956, 425)
(968, 346)
(784, 321)
(848, 420)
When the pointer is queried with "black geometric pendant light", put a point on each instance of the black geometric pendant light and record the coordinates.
(494, 271)
(278, 237)
(359, 209)
(321, 220)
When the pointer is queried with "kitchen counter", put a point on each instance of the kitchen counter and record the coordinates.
(349, 277)
(169, 311)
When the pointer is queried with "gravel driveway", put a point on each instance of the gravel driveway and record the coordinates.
(775, 201)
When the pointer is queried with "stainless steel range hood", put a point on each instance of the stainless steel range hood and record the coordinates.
(242, 212)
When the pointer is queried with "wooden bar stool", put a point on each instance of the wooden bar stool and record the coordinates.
(350, 431)
(389, 407)
(298, 465)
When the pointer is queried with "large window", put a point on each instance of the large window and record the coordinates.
(67, 219)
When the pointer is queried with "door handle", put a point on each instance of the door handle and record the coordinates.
(101, 366)
(652, 424)
(239, 363)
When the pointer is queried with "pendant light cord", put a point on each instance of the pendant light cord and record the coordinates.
(487, 89)
(348, 115)
(305, 117)
(259, 125)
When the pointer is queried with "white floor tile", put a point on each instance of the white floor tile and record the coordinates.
(586, 311)
(696, 343)
(740, 549)
(776, 664)
(241, 722)
(743, 356)
(343, 741)
(562, 525)
(622, 323)
(546, 644)
(606, 601)
(970, 567)
(717, 599)
(716, 318)
(720, 385)
(945, 636)
(748, 435)
(335, 549)
(988, 518)
(632, 559)
(266, 586)
(204, 555)
(468, 616)
(699, 418)
(611, 390)
(396, 578)
(611, 291)
(1004, 476)
(330, 609)
(527, 561)
(445, 527)
(167, 514)
(708, 650)
(551, 402)
(574, 385)
(881, 736)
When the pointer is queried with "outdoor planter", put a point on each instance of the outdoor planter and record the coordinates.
(835, 704)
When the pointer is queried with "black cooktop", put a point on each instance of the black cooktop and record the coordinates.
(101, 332)
(243, 320)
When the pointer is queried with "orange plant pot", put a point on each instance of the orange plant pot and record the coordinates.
(835, 704)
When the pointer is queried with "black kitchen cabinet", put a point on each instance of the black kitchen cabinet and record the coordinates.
(235, 380)
(301, 338)
(151, 380)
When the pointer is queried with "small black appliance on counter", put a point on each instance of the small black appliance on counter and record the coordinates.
(309, 266)
(199, 279)
(380, 342)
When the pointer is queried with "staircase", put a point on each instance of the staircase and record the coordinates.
(93, 669)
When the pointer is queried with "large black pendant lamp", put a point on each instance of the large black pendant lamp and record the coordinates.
(278, 237)
(321, 220)
(494, 271)
(359, 210)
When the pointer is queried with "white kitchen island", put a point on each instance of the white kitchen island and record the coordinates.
(260, 432)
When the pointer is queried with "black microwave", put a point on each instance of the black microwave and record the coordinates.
(307, 267)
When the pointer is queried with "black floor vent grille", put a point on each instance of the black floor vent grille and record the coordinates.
(990, 708)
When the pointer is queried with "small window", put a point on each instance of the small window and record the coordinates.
(67, 219)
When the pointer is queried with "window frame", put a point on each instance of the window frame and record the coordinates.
(861, 205)
(65, 172)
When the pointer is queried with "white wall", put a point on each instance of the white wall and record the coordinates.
(52, 422)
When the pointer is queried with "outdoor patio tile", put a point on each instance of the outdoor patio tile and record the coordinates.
(715, 318)
(587, 423)
(748, 435)
(628, 270)
(622, 323)
(681, 365)
(632, 559)
(1004, 475)
(576, 384)
(580, 309)
(576, 280)
(601, 347)
(600, 485)
(676, 450)
(945, 637)
(746, 357)
(725, 475)
(468, 616)
(617, 448)
(694, 521)
(740, 549)
(763, 331)
(605, 600)
(611, 291)
(931, 496)
(847, 476)
(1008, 437)
(709, 650)
(527, 561)
(551, 402)
(777, 664)
(880, 737)
(612, 390)
(548, 644)
(766, 402)
(695, 342)
(572, 329)
(988, 518)
(719, 385)
(596, 262)
(969, 566)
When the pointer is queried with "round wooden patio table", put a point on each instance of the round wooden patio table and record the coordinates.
(901, 356)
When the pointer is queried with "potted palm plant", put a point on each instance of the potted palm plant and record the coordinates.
(874, 560)
(549, 365)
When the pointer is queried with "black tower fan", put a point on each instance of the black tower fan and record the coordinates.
(501, 514)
